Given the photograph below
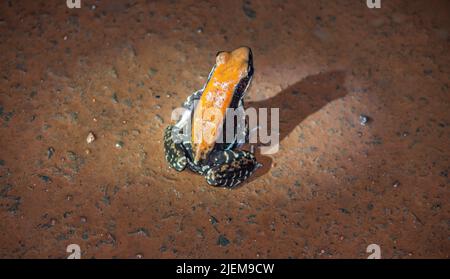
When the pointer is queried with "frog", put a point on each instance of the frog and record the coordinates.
(223, 164)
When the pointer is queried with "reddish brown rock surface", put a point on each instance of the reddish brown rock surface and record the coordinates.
(119, 69)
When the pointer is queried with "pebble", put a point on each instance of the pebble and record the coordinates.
(222, 240)
(213, 220)
(90, 138)
(114, 98)
(85, 235)
(45, 178)
(119, 144)
(159, 119)
(248, 11)
(135, 132)
(152, 72)
(364, 119)
(53, 221)
(50, 152)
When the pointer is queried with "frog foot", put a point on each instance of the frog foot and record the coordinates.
(230, 168)
(175, 155)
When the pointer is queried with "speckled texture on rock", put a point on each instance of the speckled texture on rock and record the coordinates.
(118, 70)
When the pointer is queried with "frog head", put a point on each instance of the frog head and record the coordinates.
(225, 88)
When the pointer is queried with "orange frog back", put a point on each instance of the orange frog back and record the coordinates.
(217, 96)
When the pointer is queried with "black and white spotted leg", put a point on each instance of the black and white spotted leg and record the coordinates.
(175, 154)
(230, 168)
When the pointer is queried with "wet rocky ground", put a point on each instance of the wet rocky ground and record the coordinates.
(365, 129)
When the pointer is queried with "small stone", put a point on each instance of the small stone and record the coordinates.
(140, 232)
(396, 184)
(53, 221)
(222, 241)
(248, 11)
(69, 197)
(83, 219)
(90, 138)
(85, 235)
(135, 132)
(152, 72)
(159, 119)
(364, 119)
(213, 220)
(119, 144)
(115, 99)
(50, 152)
(45, 178)
(87, 151)
(139, 256)
(199, 30)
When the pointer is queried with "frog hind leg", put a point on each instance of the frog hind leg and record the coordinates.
(174, 152)
(231, 167)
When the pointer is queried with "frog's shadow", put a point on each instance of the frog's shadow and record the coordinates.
(296, 103)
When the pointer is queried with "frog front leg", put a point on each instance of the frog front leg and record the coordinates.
(231, 167)
(189, 103)
(174, 150)
(175, 153)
